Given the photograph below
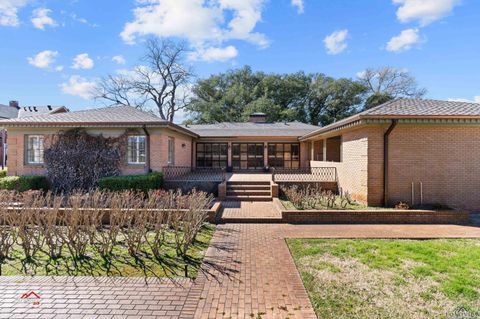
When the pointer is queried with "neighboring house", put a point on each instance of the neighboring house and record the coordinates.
(416, 151)
(13, 110)
(410, 150)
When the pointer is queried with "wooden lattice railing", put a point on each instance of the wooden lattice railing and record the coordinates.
(310, 174)
(188, 174)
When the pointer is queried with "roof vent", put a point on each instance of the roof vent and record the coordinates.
(258, 117)
(49, 107)
(35, 109)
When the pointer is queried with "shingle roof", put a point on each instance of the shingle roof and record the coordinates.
(8, 112)
(290, 129)
(409, 109)
(419, 107)
(107, 117)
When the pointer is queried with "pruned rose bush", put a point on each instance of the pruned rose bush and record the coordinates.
(55, 224)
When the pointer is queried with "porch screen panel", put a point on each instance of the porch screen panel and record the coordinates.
(212, 155)
(284, 155)
(247, 156)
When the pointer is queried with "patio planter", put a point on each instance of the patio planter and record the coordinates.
(372, 216)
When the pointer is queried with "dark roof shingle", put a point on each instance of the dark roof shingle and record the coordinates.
(226, 129)
(419, 107)
(106, 115)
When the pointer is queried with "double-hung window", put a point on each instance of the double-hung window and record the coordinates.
(136, 150)
(34, 150)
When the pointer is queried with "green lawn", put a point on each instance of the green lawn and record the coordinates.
(119, 264)
(376, 278)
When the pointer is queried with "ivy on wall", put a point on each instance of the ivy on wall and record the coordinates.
(76, 159)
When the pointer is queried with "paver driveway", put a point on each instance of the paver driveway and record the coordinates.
(247, 271)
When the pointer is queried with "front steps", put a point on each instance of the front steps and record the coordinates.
(248, 191)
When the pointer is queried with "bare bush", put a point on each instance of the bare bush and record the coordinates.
(51, 222)
(316, 198)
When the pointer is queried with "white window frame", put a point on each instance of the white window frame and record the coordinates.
(171, 151)
(37, 151)
(137, 140)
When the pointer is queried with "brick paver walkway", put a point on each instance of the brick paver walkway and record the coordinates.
(248, 271)
(247, 209)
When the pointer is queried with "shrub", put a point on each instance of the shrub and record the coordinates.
(76, 160)
(132, 182)
(24, 183)
(3, 173)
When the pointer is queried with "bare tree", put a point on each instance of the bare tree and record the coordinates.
(388, 83)
(161, 81)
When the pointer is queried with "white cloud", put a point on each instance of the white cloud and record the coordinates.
(43, 59)
(82, 61)
(59, 68)
(477, 99)
(75, 17)
(119, 59)
(79, 86)
(425, 11)
(299, 5)
(9, 10)
(215, 54)
(404, 41)
(205, 24)
(40, 18)
(335, 43)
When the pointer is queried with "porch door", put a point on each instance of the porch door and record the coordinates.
(284, 155)
(247, 156)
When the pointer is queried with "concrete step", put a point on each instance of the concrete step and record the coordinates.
(249, 198)
(248, 192)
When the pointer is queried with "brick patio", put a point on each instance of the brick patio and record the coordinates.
(247, 271)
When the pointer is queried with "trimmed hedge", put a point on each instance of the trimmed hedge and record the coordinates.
(132, 182)
(24, 183)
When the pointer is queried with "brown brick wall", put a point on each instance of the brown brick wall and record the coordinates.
(158, 151)
(334, 149)
(445, 158)
(352, 171)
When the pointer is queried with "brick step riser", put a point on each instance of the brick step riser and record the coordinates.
(249, 193)
(248, 187)
(250, 198)
(250, 220)
(247, 183)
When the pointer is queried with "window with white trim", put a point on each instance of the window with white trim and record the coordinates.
(136, 149)
(34, 150)
(171, 151)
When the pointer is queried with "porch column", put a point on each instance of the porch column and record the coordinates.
(324, 149)
(265, 154)
(312, 150)
(229, 154)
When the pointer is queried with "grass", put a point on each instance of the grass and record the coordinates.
(119, 264)
(376, 278)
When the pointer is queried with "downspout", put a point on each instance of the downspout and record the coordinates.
(385, 161)
(147, 151)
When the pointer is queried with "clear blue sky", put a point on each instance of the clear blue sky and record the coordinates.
(52, 51)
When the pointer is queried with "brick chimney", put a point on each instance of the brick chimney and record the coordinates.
(258, 117)
(13, 104)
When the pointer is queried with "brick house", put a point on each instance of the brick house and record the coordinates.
(410, 150)
(13, 110)
(415, 151)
